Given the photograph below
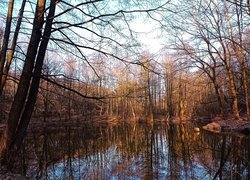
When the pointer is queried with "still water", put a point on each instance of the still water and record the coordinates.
(134, 151)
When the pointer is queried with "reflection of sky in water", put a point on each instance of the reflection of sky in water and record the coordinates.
(95, 166)
(113, 164)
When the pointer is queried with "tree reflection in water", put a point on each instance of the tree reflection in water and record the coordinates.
(134, 151)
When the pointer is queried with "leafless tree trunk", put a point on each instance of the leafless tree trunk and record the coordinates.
(23, 87)
(6, 39)
(12, 48)
(237, 45)
(32, 96)
(181, 103)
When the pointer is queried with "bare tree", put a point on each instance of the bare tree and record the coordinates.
(11, 51)
(4, 47)
(214, 34)
(18, 121)
(100, 22)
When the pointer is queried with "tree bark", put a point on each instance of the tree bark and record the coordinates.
(217, 92)
(29, 107)
(245, 86)
(150, 98)
(237, 46)
(12, 48)
(233, 94)
(6, 38)
(181, 103)
(24, 84)
(229, 64)
(150, 110)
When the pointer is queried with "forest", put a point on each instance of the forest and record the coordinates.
(99, 61)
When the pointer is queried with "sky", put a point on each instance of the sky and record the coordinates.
(149, 35)
(146, 30)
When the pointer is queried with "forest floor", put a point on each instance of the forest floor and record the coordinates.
(6, 175)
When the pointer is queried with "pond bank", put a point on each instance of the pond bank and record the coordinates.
(74, 121)
(218, 125)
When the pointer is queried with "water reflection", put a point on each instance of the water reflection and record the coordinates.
(135, 151)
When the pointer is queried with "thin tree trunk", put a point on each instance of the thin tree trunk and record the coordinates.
(213, 76)
(29, 107)
(151, 110)
(1, 37)
(12, 48)
(217, 92)
(219, 100)
(239, 53)
(245, 86)
(24, 84)
(6, 38)
(229, 65)
(181, 101)
(233, 94)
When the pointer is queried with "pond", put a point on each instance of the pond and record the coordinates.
(134, 151)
